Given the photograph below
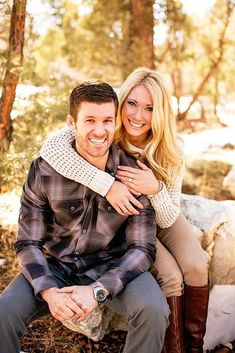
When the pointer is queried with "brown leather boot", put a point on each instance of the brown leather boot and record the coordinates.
(174, 337)
(195, 315)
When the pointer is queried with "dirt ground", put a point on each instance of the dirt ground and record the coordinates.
(47, 335)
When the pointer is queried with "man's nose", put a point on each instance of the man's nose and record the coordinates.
(99, 130)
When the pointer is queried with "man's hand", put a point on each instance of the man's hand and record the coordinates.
(121, 198)
(83, 297)
(61, 305)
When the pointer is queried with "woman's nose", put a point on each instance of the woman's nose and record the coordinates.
(138, 113)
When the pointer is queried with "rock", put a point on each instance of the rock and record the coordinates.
(215, 219)
(220, 327)
(95, 326)
(229, 182)
(222, 268)
(205, 174)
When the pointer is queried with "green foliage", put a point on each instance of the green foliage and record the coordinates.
(95, 44)
(45, 112)
(46, 53)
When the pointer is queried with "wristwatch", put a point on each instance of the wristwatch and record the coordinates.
(99, 292)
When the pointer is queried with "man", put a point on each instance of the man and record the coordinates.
(74, 250)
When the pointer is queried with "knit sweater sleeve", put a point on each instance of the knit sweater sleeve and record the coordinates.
(166, 203)
(58, 152)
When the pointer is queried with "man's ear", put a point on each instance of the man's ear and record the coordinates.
(70, 121)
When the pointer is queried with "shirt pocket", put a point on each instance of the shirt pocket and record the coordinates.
(105, 206)
(69, 206)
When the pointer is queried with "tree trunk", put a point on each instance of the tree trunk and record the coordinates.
(214, 67)
(142, 32)
(13, 70)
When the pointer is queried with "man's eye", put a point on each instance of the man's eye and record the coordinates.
(108, 121)
(89, 121)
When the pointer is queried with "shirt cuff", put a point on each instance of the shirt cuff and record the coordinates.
(44, 282)
(101, 183)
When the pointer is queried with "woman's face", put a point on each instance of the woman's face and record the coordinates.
(136, 115)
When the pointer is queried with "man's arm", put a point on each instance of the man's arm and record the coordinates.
(140, 250)
(35, 216)
(33, 221)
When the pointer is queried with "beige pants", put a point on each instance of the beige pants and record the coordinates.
(180, 258)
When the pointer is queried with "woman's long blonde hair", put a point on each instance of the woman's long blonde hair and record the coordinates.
(162, 152)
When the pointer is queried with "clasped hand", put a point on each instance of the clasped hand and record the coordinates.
(75, 302)
(133, 182)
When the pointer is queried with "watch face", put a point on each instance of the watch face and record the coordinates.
(101, 295)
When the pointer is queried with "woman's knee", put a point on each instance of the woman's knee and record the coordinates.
(172, 286)
(196, 273)
(170, 281)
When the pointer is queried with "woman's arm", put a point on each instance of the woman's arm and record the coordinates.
(58, 152)
(165, 201)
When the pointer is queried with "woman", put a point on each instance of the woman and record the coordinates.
(146, 129)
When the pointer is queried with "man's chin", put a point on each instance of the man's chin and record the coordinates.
(98, 153)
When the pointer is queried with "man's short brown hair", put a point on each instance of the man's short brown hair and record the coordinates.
(91, 91)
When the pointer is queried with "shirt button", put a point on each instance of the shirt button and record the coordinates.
(109, 208)
(84, 231)
(75, 258)
(72, 208)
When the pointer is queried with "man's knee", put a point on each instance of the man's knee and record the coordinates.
(154, 312)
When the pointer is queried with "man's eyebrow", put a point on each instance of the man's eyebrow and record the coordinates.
(93, 117)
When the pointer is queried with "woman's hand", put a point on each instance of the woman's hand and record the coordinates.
(120, 197)
(141, 180)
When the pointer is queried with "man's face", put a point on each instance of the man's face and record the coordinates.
(94, 130)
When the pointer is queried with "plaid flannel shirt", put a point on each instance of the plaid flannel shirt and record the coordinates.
(74, 225)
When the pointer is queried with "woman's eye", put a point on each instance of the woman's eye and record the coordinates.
(149, 109)
(131, 103)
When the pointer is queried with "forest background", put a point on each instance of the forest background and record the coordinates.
(64, 41)
(47, 46)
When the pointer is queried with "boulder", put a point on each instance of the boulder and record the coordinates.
(210, 175)
(229, 182)
(220, 328)
(215, 220)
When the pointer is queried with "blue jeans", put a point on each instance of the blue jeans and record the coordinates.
(141, 301)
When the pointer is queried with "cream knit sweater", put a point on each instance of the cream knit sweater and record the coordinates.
(57, 151)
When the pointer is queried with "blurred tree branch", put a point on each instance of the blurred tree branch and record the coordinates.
(216, 60)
